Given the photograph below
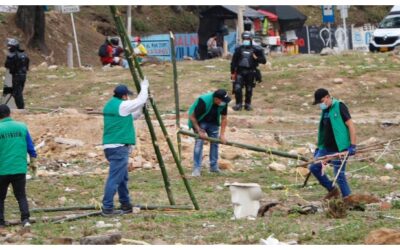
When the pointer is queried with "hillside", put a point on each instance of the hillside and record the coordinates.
(95, 22)
(283, 118)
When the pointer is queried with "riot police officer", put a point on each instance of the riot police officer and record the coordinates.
(244, 70)
(17, 63)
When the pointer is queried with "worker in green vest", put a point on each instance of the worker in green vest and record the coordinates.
(119, 138)
(15, 143)
(206, 115)
(336, 133)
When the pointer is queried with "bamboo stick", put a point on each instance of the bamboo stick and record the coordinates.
(245, 146)
(77, 217)
(332, 156)
(131, 57)
(176, 91)
(60, 209)
(92, 207)
(340, 169)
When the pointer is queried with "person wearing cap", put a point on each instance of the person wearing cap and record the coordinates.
(206, 115)
(17, 62)
(244, 72)
(15, 144)
(119, 137)
(336, 133)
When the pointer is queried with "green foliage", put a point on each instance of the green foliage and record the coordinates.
(140, 26)
(396, 204)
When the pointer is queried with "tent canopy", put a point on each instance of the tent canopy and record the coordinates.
(271, 16)
(212, 22)
(289, 18)
(229, 12)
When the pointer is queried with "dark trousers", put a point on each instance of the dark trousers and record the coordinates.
(18, 182)
(245, 78)
(18, 82)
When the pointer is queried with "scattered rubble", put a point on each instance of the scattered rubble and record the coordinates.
(274, 166)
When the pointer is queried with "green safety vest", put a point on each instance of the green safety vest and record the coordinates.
(209, 101)
(13, 147)
(117, 129)
(340, 129)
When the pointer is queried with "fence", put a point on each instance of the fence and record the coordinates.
(311, 39)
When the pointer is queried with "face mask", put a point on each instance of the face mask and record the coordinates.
(222, 104)
(323, 106)
(246, 43)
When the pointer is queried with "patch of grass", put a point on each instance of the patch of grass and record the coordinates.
(396, 204)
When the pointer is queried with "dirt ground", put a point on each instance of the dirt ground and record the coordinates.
(58, 101)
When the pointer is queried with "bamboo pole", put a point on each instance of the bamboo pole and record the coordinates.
(170, 145)
(77, 217)
(131, 57)
(176, 158)
(176, 91)
(60, 209)
(245, 146)
(91, 207)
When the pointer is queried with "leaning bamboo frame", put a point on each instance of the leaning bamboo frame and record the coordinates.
(128, 50)
(131, 57)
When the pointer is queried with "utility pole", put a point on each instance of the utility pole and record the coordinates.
(344, 14)
(76, 40)
(129, 20)
(240, 26)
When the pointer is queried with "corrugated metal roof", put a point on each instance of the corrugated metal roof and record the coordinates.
(248, 12)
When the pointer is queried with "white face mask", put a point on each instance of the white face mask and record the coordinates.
(323, 106)
(246, 43)
(222, 104)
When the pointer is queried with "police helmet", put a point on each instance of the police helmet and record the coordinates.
(12, 42)
(247, 35)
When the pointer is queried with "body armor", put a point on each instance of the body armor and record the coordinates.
(246, 58)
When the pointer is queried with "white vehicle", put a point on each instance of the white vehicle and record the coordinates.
(387, 36)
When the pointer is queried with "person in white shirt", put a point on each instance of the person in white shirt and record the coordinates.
(212, 47)
(118, 139)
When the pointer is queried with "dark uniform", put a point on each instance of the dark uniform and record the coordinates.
(244, 65)
(18, 64)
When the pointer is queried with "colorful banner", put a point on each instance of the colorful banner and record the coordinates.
(186, 45)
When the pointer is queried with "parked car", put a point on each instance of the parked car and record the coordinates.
(387, 36)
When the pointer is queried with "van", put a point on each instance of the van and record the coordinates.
(387, 36)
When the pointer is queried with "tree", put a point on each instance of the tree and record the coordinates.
(31, 20)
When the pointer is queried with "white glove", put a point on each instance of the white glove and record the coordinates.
(144, 83)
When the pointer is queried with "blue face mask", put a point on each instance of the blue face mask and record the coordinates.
(246, 43)
(222, 104)
(323, 106)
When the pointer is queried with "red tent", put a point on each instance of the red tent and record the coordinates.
(271, 16)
